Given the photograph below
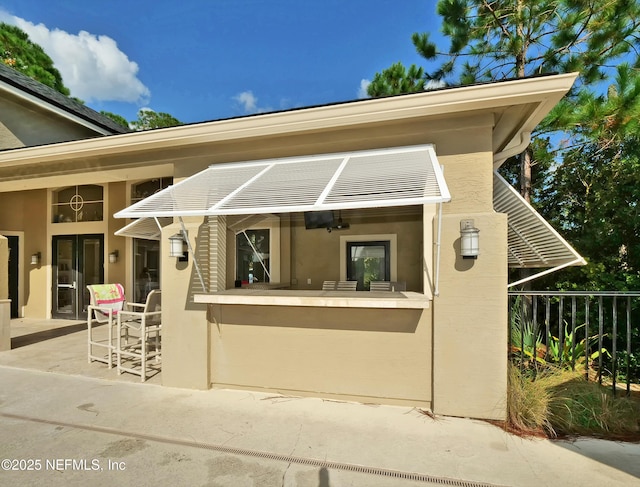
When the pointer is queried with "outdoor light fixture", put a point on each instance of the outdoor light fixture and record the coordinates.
(113, 257)
(35, 258)
(177, 245)
(469, 240)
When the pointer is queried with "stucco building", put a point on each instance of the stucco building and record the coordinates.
(245, 308)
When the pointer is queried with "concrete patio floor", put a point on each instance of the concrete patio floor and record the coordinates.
(57, 408)
(61, 346)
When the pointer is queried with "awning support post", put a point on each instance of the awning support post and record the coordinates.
(436, 291)
(544, 273)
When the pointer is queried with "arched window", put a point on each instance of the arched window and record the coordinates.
(143, 189)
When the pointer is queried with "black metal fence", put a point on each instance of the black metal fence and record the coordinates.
(598, 332)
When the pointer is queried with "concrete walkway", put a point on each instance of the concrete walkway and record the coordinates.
(112, 430)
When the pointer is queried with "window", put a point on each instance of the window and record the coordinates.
(139, 191)
(368, 261)
(253, 262)
(146, 253)
(366, 258)
(256, 248)
(146, 267)
(77, 204)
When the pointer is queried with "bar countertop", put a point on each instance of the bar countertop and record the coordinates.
(316, 298)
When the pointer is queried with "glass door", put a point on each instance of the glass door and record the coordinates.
(78, 260)
(368, 261)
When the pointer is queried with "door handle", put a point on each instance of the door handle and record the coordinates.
(68, 286)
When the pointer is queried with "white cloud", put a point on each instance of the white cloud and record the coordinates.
(362, 91)
(249, 103)
(92, 67)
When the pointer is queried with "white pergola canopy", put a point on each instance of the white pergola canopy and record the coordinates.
(146, 228)
(532, 242)
(364, 179)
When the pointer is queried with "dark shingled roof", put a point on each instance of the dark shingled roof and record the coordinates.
(48, 95)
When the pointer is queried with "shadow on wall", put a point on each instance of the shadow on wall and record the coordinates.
(356, 319)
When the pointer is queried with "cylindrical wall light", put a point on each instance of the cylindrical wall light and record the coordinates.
(113, 257)
(177, 245)
(35, 258)
(469, 240)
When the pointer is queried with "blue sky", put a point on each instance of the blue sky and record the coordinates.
(209, 59)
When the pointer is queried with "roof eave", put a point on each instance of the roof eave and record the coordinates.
(54, 108)
(541, 93)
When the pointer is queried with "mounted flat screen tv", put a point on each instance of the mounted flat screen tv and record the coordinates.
(318, 219)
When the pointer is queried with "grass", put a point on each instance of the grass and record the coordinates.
(561, 402)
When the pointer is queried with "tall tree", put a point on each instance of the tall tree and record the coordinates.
(116, 118)
(494, 40)
(595, 195)
(501, 39)
(18, 52)
(149, 119)
(397, 79)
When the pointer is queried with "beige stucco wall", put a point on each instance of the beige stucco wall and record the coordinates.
(185, 332)
(28, 212)
(25, 211)
(470, 313)
(380, 355)
(450, 351)
(470, 316)
(452, 358)
(23, 124)
(454, 350)
(117, 200)
(315, 254)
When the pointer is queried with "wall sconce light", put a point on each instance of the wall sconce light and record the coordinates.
(178, 245)
(113, 257)
(469, 240)
(35, 258)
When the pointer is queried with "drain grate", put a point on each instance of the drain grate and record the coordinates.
(313, 462)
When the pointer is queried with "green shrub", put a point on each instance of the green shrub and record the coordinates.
(558, 401)
(579, 407)
(528, 403)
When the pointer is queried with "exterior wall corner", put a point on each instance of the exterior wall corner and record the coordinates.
(470, 323)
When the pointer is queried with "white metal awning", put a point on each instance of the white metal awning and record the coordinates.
(147, 228)
(532, 242)
(364, 179)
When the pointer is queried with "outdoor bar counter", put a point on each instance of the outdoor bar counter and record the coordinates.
(279, 340)
(316, 298)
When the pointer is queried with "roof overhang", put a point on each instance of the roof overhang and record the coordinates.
(517, 107)
(532, 242)
(400, 176)
(41, 104)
